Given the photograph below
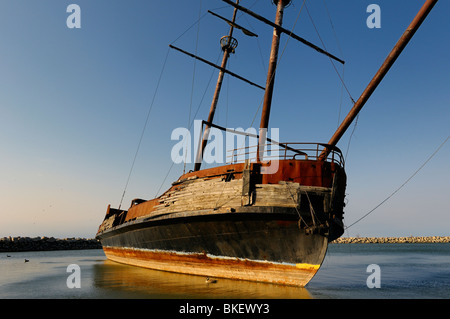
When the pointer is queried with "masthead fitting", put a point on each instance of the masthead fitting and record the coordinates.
(285, 2)
(228, 43)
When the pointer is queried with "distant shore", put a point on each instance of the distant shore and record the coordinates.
(392, 240)
(13, 244)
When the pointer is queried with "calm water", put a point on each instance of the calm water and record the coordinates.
(406, 271)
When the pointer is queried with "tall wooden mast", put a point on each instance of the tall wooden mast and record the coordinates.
(228, 44)
(270, 77)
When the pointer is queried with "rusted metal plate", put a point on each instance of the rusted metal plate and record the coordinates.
(219, 267)
(308, 173)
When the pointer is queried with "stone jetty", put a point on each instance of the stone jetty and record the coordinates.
(392, 240)
(10, 244)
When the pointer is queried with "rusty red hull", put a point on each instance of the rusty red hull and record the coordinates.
(215, 267)
(254, 247)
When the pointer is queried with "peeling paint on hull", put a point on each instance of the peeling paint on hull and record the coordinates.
(215, 266)
(254, 248)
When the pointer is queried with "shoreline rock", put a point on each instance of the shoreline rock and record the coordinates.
(15, 244)
(392, 240)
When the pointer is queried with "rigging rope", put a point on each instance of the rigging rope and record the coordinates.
(193, 75)
(342, 55)
(401, 186)
(332, 63)
(340, 77)
(143, 130)
(351, 135)
(151, 106)
(192, 122)
(332, 27)
(195, 23)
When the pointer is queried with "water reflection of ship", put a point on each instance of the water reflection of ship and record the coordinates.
(137, 282)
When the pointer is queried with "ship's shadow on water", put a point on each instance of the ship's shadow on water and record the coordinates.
(139, 282)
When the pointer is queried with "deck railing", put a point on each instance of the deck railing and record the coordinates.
(274, 150)
(283, 151)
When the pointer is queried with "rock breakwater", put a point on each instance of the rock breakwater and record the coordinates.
(392, 240)
(11, 244)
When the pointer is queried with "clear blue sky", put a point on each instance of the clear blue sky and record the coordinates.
(73, 104)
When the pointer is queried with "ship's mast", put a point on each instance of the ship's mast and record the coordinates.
(281, 4)
(228, 44)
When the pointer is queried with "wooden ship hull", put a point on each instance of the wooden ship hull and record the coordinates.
(234, 222)
(247, 221)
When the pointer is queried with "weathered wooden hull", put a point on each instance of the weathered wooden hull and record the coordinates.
(267, 247)
(232, 222)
